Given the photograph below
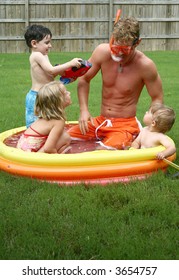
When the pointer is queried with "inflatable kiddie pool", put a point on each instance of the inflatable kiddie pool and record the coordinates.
(83, 166)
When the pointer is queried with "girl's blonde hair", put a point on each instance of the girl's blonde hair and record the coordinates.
(163, 116)
(50, 101)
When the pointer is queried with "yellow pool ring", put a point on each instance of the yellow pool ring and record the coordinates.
(95, 166)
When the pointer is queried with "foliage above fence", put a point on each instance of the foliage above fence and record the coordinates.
(81, 25)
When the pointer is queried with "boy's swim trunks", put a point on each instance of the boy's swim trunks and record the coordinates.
(29, 107)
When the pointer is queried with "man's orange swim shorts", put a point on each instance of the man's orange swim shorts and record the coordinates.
(111, 133)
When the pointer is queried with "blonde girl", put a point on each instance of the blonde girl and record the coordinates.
(47, 133)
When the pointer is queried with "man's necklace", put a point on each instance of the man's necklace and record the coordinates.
(120, 68)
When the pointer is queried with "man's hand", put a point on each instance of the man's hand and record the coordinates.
(83, 122)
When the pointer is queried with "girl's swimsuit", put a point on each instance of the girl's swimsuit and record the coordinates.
(31, 143)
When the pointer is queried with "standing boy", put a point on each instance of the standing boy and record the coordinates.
(38, 39)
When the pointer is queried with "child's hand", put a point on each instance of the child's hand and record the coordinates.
(160, 156)
(76, 62)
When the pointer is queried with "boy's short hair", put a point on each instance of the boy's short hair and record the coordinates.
(164, 117)
(36, 32)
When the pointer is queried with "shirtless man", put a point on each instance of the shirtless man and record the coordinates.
(38, 39)
(125, 71)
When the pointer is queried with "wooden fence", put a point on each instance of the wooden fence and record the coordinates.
(81, 25)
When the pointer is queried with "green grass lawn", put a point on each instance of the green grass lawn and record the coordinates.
(39, 220)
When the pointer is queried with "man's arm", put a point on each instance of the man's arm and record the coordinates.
(84, 87)
(153, 82)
